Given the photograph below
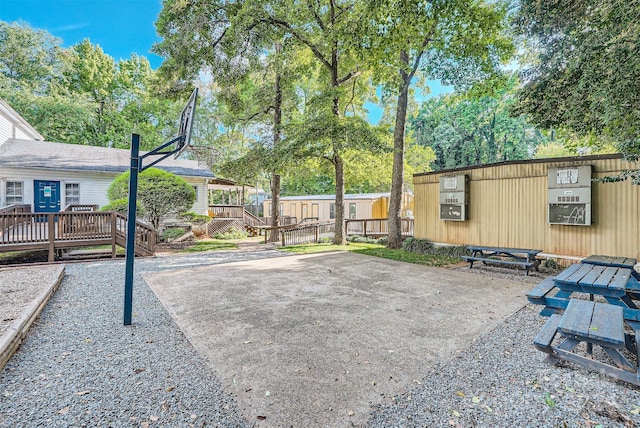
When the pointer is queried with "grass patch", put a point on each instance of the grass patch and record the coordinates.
(324, 247)
(210, 245)
(408, 257)
(376, 251)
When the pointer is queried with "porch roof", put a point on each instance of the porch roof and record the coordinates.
(31, 154)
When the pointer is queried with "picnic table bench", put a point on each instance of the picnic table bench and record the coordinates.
(502, 255)
(593, 323)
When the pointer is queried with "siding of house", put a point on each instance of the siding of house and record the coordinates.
(93, 187)
(14, 126)
(508, 208)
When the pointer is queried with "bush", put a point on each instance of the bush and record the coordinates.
(121, 206)
(198, 219)
(424, 246)
(232, 233)
(418, 246)
(367, 240)
(551, 264)
(172, 233)
(160, 194)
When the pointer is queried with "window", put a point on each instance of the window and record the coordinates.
(281, 210)
(332, 210)
(195, 188)
(72, 193)
(14, 192)
(352, 210)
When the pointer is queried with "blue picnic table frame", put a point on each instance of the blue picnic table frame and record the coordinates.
(590, 322)
(502, 255)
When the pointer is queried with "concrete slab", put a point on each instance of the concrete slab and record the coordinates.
(314, 340)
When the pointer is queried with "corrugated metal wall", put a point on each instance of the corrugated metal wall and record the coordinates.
(508, 208)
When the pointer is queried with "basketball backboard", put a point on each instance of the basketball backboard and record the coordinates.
(186, 124)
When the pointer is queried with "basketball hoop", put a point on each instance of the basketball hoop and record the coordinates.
(206, 156)
(186, 124)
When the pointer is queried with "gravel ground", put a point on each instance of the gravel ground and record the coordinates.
(19, 287)
(80, 367)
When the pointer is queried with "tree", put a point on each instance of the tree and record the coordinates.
(465, 130)
(160, 194)
(583, 69)
(458, 41)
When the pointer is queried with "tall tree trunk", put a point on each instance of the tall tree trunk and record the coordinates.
(395, 202)
(275, 178)
(339, 211)
(337, 157)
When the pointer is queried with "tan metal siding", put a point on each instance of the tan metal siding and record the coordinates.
(508, 207)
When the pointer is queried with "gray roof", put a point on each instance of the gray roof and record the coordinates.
(29, 154)
(333, 197)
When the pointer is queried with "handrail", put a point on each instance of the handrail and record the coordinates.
(81, 207)
(303, 234)
(146, 236)
(376, 226)
(226, 211)
(16, 208)
(66, 229)
(252, 220)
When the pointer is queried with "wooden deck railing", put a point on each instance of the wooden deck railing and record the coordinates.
(81, 207)
(16, 208)
(53, 231)
(377, 227)
(226, 211)
(305, 234)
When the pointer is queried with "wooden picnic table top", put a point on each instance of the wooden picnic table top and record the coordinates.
(594, 279)
(624, 262)
(504, 250)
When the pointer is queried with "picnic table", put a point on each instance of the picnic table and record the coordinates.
(616, 285)
(594, 323)
(503, 255)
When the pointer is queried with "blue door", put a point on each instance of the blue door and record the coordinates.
(46, 196)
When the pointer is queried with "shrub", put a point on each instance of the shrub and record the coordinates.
(194, 218)
(160, 194)
(232, 233)
(121, 206)
(418, 246)
(172, 233)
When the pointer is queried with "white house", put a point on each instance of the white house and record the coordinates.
(12, 125)
(49, 176)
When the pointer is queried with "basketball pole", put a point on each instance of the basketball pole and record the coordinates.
(131, 227)
(174, 147)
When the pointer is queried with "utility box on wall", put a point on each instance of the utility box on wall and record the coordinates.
(569, 200)
(454, 197)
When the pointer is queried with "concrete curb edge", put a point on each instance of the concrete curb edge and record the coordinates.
(12, 338)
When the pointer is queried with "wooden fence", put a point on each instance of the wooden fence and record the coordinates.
(376, 227)
(305, 234)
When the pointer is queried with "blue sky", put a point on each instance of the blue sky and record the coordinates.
(120, 27)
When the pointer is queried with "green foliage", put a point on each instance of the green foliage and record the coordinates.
(209, 245)
(160, 194)
(121, 205)
(418, 246)
(172, 233)
(424, 246)
(365, 239)
(80, 95)
(195, 218)
(466, 131)
(582, 68)
(408, 257)
(232, 233)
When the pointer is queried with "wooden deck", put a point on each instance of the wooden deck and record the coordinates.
(26, 231)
